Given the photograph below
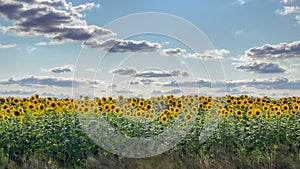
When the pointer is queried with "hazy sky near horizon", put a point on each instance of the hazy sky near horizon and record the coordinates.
(53, 47)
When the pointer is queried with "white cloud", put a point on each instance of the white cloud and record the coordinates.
(209, 54)
(86, 6)
(286, 1)
(166, 43)
(6, 46)
(237, 32)
(31, 49)
(242, 2)
(288, 10)
(93, 70)
(41, 44)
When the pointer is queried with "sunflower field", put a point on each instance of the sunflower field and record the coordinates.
(243, 131)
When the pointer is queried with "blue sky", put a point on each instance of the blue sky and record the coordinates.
(41, 42)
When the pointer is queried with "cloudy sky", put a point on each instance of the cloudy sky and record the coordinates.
(66, 48)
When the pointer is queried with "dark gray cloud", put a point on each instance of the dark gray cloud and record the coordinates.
(278, 51)
(189, 83)
(120, 46)
(172, 52)
(173, 91)
(47, 81)
(150, 73)
(261, 67)
(147, 81)
(17, 92)
(112, 86)
(50, 18)
(62, 69)
(124, 71)
(160, 92)
(277, 83)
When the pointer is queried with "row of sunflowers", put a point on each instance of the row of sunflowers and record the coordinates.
(248, 126)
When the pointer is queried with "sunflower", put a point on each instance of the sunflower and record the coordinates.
(242, 121)
(112, 107)
(16, 113)
(151, 115)
(35, 114)
(278, 113)
(265, 108)
(52, 105)
(285, 107)
(132, 104)
(293, 112)
(268, 116)
(295, 106)
(194, 109)
(225, 113)
(287, 115)
(171, 109)
(96, 110)
(148, 106)
(141, 103)
(165, 112)
(175, 115)
(152, 110)
(35, 101)
(16, 101)
(5, 117)
(188, 116)
(257, 112)
(20, 109)
(250, 107)
(228, 101)
(41, 107)
(230, 111)
(250, 101)
(30, 106)
(128, 113)
(164, 119)
(239, 113)
(5, 106)
(117, 111)
(86, 109)
(277, 108)
(249, 113)
(106, 107)
(184, 124)
(7, 111)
